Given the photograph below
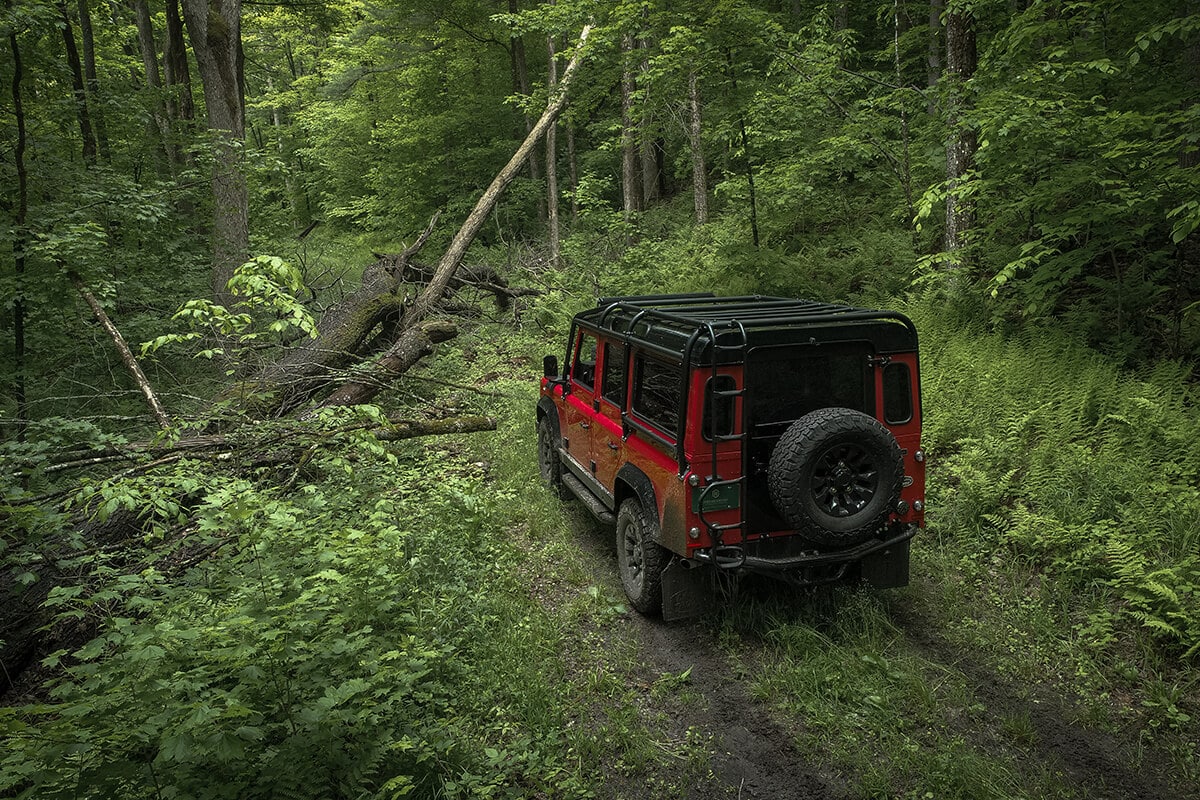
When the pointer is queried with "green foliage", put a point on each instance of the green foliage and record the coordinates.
(1087, 474)
(267, 309)
(341, 647)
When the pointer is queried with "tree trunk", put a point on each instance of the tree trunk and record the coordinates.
(745, 138)
(93, 81)
(699, 170)
(77, 86)
(19, 235)
(650, 145)
(629, 184)
(934, 57)
(479, 214)
(960, 149)
(127, 357)
(347, 326)
(175, 67)
(521, 85)
(552, 161)
(413, 345)
(573, 172)
(214, 27)
(149, 49)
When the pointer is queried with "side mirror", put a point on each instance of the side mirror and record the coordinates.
(550, 366)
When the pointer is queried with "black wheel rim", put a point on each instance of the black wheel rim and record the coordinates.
(845, 480)
(633, 555)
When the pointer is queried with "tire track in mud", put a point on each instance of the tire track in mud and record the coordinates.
(1096, 763)
(752, 755)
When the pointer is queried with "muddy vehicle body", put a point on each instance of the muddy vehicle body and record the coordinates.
(745, 434)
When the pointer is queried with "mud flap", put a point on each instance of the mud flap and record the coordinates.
(887, 569)
(686, 589)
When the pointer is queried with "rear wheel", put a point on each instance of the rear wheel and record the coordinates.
(640, 558)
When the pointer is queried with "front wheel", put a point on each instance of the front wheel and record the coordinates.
(548, 460)
(640, 558)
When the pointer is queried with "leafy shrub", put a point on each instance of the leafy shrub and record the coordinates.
(336, 649)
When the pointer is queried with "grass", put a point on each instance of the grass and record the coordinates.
(532, 678)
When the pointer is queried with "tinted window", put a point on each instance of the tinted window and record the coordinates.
(584, 371)
(722, 405)
(614, 374)
(656, 387)
(897, 394)
(785, 383)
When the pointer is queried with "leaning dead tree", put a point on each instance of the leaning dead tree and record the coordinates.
(383, 297)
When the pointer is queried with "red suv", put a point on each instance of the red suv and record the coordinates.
(746, 434)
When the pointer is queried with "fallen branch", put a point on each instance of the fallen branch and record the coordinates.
(127, 357)
(166, 453)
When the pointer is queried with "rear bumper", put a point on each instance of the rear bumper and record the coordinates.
(810, 567)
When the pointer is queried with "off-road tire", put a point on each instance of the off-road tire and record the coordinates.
(640, 558)
(835, 476)
(549, 464)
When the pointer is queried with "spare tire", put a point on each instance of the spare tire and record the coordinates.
(835, 476)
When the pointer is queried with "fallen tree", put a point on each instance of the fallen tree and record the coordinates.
(384, 297)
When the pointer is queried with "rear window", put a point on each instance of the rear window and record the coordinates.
(785, 383)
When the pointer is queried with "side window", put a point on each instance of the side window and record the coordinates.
(656, 386)
(613, 380)
(720, 423)
(584, 369)
(897, 394)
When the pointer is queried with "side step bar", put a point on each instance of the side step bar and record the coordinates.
(589, 499)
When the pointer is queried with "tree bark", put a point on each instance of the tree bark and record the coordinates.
(745, 152)
(127, 357)
(960, 149)
(214, 27)
(77, 86)
(934, 54)
(572, 172)
(699, 170)
(629, 184)
(175, 66)
(149, 50)
(651, 146)
(522, 86)
(552, 161)
(413, 345)
(344, 328)
(93, 80)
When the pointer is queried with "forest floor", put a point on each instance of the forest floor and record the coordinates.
(750, 748)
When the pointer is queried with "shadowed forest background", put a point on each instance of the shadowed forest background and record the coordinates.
(249, 548)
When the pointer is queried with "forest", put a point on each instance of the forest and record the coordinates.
(278, 277)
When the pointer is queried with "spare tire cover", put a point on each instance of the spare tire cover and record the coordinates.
(835, 476)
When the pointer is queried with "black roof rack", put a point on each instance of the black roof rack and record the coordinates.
(680, 324)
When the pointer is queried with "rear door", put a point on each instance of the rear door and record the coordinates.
(608, 443)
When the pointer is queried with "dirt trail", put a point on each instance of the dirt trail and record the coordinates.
(1097, 763)
(752, 756)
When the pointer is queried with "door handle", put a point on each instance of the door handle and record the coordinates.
(613, 446)
(585, 425)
